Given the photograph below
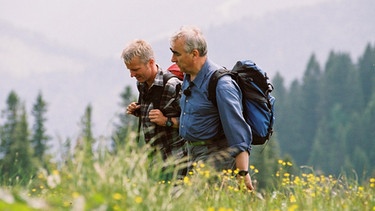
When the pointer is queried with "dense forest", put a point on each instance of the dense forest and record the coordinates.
(325, 121)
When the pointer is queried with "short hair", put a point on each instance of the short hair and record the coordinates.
(139, 48)
(194, 39)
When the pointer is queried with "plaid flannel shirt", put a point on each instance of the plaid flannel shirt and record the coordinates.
(160, 136)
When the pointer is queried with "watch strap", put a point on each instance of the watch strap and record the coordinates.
(243, 173)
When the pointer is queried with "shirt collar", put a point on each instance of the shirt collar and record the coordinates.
(204, 73)
(158, 81)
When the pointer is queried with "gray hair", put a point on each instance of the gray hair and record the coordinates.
(194, 39)
(139, 48)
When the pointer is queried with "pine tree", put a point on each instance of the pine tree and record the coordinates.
(17, 164)
(368, 129)
(10, 114)
(367, 72)
(39, 137)
(292, 124)
(86, 139)
(341, 84)
(308, 107)
(126, 122)
(264, 158)
(280, 93)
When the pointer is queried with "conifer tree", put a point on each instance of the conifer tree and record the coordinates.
(126, 122)
(264, 159)
(87, 138)
(292, 123)
(368, 129)
(280, 93)
(10, 113)
(39, 136)
(367, 72)
(308, 107)
(17, 164)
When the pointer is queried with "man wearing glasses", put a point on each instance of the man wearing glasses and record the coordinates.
(218, 136)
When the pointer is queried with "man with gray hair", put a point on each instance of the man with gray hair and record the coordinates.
(218, 136)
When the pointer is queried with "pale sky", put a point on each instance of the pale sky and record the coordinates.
(70, 37)
(99, 29)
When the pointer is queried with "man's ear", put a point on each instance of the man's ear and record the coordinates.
(195, 53)
(151, 62)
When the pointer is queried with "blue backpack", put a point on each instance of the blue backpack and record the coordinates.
(258, 104)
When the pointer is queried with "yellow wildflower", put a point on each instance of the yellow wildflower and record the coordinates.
(138, 200)
(75, 194)
(207, 174)
(360, 189)
(187, 181)
(293, 207)
(117, 196)
(292, 199)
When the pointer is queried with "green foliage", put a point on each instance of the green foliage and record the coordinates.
(326, 121)
(265, 157)
(130, 180)
(39, 137)
(126, 123)
(17, 164)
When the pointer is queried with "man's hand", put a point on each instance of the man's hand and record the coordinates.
(157, 117)
(247, 180)
(242, 163)
(132, 107)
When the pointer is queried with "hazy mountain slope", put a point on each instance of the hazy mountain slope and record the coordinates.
(284, 41)
(280, 41)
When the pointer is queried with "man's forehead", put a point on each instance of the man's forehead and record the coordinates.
(173, 51)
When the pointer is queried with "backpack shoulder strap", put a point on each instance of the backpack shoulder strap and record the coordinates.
(158, 91)
(157, 94)
(168, 75)
(213, 83)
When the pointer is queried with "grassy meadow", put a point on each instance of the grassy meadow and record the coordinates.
(129, 180)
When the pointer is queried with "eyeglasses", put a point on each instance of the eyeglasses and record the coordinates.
(187, 92)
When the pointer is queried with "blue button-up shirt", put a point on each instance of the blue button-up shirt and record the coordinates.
(201, 120)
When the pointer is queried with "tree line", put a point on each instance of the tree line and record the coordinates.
(325, 120)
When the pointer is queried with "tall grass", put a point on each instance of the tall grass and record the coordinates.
(131, 180)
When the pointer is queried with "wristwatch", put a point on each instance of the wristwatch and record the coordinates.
(243, 173)
(169, 122)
